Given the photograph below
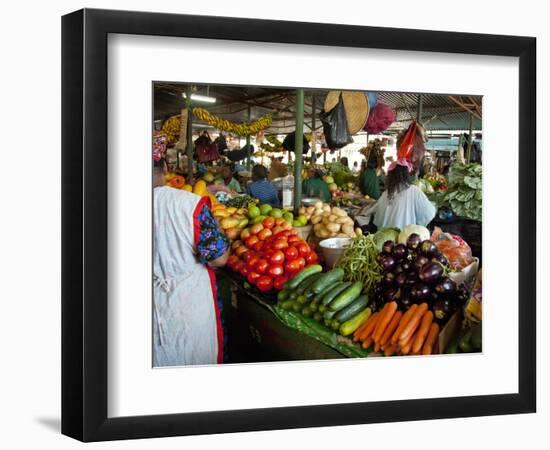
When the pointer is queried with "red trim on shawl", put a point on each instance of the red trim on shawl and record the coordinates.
(197, 230)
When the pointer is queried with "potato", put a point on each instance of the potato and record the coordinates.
(333, 217)
(333, 227)
(302, 210)
(341, 220)
(359, 231)
(333, 234)
(318, 211)
(310, 209)
(324, 233)
(326, 214)
(317, 227)
(318, 205)
(316, 219)
(325, 221)
(339, 212)
(348, 229)
(326, 208)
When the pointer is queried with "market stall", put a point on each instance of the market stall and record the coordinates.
(310, 278)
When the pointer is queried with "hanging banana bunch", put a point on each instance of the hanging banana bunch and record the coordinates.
(240, 129)
(171, 129)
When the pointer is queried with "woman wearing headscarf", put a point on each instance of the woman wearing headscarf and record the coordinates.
(402, 203)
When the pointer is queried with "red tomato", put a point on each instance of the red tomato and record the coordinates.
(291, 253)
(240, 251)
(312, 245)
(252, 276)
(264, 283)
(301, 261)
(279, 221)
(275, 270)
(268, 222)
(292, 266)
(284, 233)
(311, 258)
(261, 265)
(264, 234)
(303, 249)
(277, 229)
(258, 246)
(293, 239)
(244, 270)
(248, 255)
(279, 282)
(279, 244)
(232, 260)
(276, 257)
(251, 263)
(250, 241)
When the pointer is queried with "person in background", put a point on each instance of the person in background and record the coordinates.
(187, 245)
(344, 161)
(402, 203)
(262, 189)
(278, 169)
(229, 181)
(314, 186)
(369, 184)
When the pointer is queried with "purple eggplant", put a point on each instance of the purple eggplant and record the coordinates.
(420, 291)
(400, 251)
(413, 241)
(391, 294)
(428, 249)
(405, 301)
(420, 262)
(406, 265)
(442, 259)
(412, 278)
(445, 286)
(442, 310)
(401, 279)
(389, 278)
(431, 272)
(388, 263)
(387, 247)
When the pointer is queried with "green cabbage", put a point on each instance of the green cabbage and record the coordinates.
(385, 234)
(423, 232)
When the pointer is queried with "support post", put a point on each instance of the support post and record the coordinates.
(419, 109)
(313, 124)
(248, 142)
(298, 147)
(470, 139)
(189, 134)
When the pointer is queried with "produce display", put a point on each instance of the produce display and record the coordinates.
(359, 262)
(455, 249)
(326, 298)
(268, 257)
(464, 195)
(331, 221)
(232, 220)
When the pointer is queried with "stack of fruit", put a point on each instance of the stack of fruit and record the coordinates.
(257, 213)
(268, 255)
(231, 219)
(178, 182)
(331, 222)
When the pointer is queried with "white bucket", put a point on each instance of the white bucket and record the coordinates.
(333, 248)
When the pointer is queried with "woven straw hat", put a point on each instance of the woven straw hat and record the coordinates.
(356, 105)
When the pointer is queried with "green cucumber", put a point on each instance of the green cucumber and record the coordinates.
(333, 293)
(287, 304)
(335, 325)
(302, 275)
(345, 298)
(320, 295)
(301, 299)
(465, 342)
(328, 279)
(353, 308)
(329, 315)
(355, 322)
(296, 307)
(307, 283)
(283, 295)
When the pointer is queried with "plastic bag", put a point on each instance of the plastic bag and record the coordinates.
(335, 126)
(290, 140)
(455, 249)
(238, 155)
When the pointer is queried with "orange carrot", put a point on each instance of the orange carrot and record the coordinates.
(390, 350)
(369, 329)
(367, 342)
(390, 329)
(403, 323)
(422, 332)
(362, 328)
(385, 318)
(412, 325)
(407, 344)
(430, 340)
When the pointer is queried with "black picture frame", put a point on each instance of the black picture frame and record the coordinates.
(84, 224)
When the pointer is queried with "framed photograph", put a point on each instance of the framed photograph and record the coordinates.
(273, 225)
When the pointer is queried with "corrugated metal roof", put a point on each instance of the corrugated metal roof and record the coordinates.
(439, 111)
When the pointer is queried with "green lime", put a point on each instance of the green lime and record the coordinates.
(303, 219)
(288, 216)
(296, 223)
(265, 209)
(253, 211)
(296, 307)
(276, 213)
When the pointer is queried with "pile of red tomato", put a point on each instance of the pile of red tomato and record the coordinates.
(268, 259)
